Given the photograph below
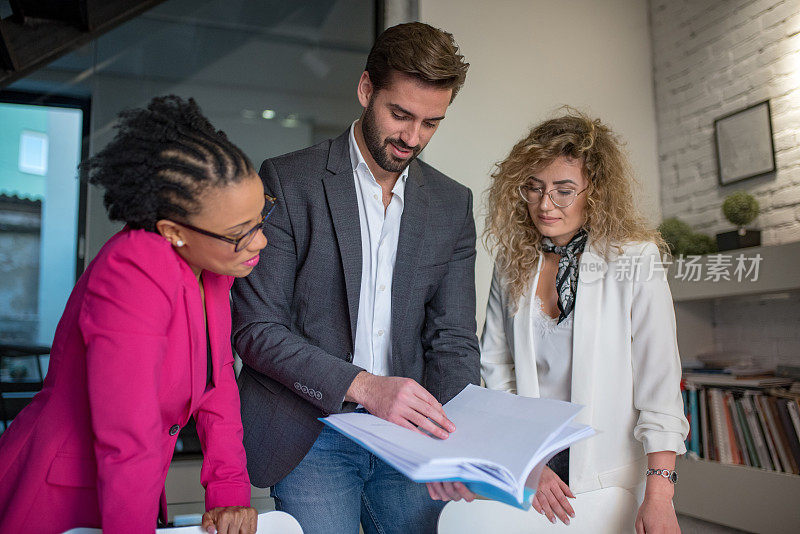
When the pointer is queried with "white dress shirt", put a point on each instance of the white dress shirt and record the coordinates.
(380, 229)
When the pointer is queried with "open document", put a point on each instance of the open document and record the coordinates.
(500, 440)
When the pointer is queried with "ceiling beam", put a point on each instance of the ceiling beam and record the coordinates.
(40, 31)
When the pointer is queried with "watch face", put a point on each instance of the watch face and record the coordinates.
(673, 477)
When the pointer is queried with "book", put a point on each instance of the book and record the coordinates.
(756, 432)
(719, 426)
(788, 371)
(794, 413)
(502, 441)
(738, 451)
(792, 393)
(694, 420)
(704, 429)
(781, 441)
(749, 442)
(781, 406)
(778, 457)
(727, 379)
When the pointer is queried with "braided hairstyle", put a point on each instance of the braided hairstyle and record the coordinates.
(160, 161)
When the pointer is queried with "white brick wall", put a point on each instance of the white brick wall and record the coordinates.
(711, 58)
(764, 327)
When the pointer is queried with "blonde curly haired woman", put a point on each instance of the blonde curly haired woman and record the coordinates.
(580, 310)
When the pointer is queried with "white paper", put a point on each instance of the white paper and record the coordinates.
(499, 438)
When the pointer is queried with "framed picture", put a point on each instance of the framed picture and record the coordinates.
(744, 144)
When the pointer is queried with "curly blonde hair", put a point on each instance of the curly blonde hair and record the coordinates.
(612, 219)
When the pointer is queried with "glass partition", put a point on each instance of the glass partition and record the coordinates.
(276, 76)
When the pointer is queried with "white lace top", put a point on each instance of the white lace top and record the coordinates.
(553, 353)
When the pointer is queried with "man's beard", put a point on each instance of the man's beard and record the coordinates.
(379, 148)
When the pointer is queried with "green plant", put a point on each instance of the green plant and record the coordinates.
(740, 209)
(698, 244)
(682, 240)
(675, 232)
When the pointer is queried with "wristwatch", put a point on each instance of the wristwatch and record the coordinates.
(672, 476)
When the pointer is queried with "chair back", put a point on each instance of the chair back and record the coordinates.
(604, 511)
(268, 523)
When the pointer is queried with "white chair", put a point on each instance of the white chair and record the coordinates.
(604, 511)
(268, 523)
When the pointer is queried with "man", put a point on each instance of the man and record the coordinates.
(363, 299)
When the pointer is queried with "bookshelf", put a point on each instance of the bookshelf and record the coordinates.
(742, 497)
(778, 272)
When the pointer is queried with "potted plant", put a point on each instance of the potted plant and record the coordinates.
(683, 241)
(740, 209)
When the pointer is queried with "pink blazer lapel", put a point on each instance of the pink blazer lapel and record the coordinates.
(197, 336)
(217, 290)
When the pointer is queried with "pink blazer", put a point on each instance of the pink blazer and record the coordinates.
(127, 368)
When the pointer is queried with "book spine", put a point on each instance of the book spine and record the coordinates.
(788, 429)
(704, 429)
(748, 437)
(738, 452)
(720, 429)
(756, 433)
(713, 439)
(781, 443)
(794, 413)
(769, 436)
(694, 422)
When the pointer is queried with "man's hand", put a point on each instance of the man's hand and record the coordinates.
(230, 520)
(401, 401)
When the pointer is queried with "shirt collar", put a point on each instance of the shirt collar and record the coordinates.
(357, 160)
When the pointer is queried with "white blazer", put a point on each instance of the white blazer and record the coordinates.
(625, 368)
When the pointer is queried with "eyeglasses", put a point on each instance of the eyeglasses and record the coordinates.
(561, 197)
(241, 242)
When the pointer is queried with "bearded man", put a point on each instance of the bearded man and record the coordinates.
(364, 299)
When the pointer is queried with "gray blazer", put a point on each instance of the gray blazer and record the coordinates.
(294, 317)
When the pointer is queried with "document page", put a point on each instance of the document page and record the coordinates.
(499, 438)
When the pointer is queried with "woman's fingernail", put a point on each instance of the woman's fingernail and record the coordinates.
(572, 514)
(566, 522)
(553, 519)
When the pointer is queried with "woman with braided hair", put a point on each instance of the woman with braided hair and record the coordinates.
(144, 341)
(579, 310)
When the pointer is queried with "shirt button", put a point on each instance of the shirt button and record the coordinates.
(376, 197)
(174, 430)
(382, 288)
(380, 332)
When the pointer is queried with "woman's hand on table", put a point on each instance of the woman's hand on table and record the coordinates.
(551, 498)
(657, 516)
(230, 520)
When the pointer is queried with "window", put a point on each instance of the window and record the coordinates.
(41, 210)
(33, 152)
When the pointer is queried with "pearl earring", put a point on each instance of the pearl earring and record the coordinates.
(179, 243)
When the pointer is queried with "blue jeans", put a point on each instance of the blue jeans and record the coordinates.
(339, 484)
